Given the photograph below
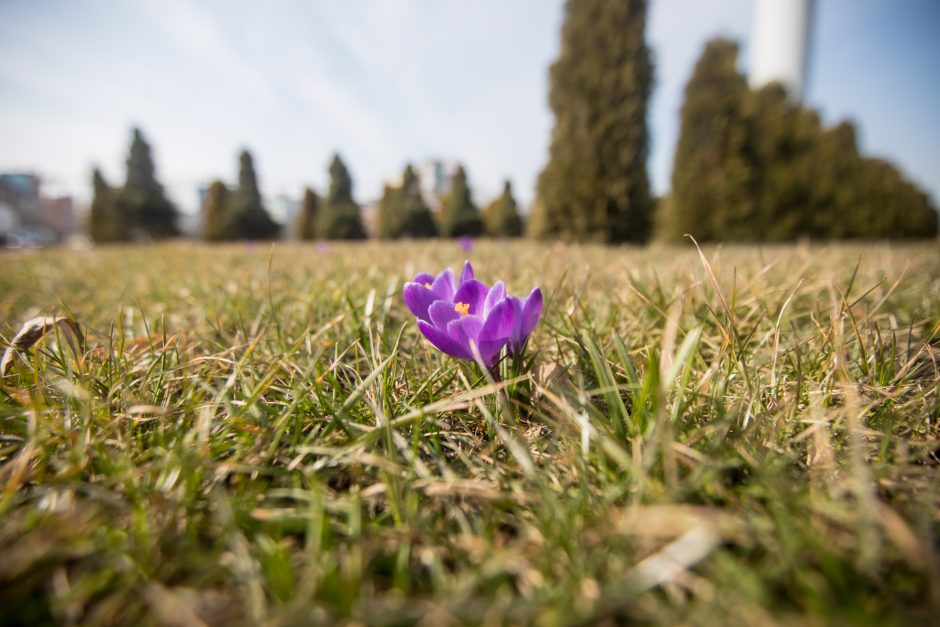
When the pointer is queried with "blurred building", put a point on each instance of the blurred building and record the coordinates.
(27, 216)
(369, 212)
(59, 213)
(435, 175)
(284, 209)
(202, 193)
(780, 44)
(22, 190)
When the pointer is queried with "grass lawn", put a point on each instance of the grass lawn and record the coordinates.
(252, 437)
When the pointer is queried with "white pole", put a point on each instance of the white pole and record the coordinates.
(779, 44)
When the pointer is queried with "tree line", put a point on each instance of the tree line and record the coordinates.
(752, 165)
(749, 165)
(140, 210)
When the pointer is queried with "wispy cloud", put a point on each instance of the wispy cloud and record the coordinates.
(199, 33)
(334, 104)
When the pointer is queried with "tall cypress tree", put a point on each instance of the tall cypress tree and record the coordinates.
(595, 185)
(782, 139)
(834, 201)
(340, 218)
(416, 218)
(142, 201)
(106, 224)
(250, 219)
(217, 213)
(402, 210)
(309, 216)
(459, 215)
(711, 174)
(501, 217)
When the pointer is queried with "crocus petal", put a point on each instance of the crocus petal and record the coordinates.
(444, 342)
(443, 285)
(472, 293)
(466, 330)
(498, 325)
(423, 277)
(496, 295)
(441, 312)
(467, 273)
(490, 351)
(419, 299)
(531, 312)
(496, 331)
(516, 337)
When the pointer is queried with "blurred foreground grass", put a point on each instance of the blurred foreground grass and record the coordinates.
(255, 437)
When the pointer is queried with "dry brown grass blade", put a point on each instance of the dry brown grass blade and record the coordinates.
(669, 521)
(35, 330)
(714, 279)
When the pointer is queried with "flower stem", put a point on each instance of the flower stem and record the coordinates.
(494, 372)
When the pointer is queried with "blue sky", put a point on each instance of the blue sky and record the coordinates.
(390, 81)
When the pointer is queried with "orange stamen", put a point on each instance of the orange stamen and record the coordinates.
(427, 285)
(462, 308)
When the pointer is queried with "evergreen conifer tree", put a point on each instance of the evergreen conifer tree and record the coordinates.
(340, 218)
(889, 206)
(142, 202)
(402, 210)
(711, 175)
(308, 217)
(106, 223)
(459, 215)
(834, 197)
(389, 217)
(217, 222)
(250, 219)
(757, 166)
(416, 218)
(501, 216)
(919, 219)
(595, 185)
(782, 140)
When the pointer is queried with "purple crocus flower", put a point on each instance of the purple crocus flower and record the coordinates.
(458, 316)
(466, 243)
(434, 288)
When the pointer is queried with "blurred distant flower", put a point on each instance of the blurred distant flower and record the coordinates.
(322, 247)
(466, 243)
(457, 316)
